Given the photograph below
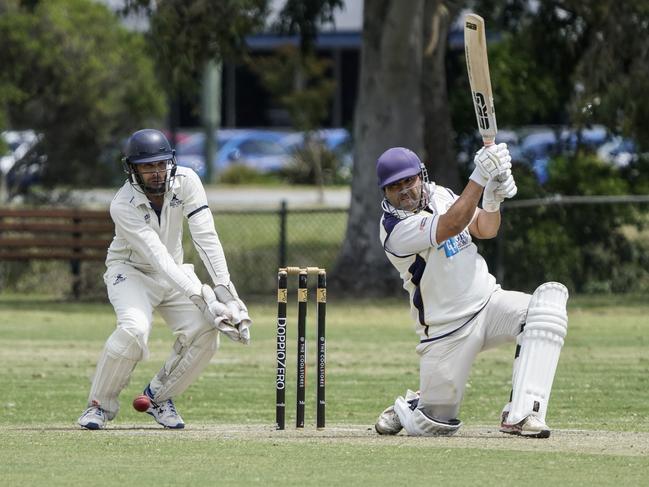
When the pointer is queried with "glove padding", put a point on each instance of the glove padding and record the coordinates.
(239, 313)
(496, 192)
(491, 163)
(215, 312)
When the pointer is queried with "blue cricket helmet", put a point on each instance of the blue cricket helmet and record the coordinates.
(395, 164)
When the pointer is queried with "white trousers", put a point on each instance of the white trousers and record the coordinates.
(134, 295)
(445, 364)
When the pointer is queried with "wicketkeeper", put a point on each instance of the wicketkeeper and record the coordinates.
(458, 308)
(145, 271)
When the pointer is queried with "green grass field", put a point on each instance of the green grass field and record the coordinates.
(599, 408)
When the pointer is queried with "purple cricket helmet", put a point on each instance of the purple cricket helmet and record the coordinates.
(395, 164)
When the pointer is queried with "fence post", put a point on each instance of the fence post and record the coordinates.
(282, 233)
(75, 264)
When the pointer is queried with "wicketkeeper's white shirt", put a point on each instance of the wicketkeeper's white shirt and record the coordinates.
(448, 282)
(154, 245)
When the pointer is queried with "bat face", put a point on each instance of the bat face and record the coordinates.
(477, 63)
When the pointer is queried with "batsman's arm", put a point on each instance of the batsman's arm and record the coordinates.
(485, 225)
(460, 214)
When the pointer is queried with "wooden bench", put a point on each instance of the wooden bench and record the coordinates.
(70, 234)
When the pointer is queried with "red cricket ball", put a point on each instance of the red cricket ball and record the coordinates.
(142, 403)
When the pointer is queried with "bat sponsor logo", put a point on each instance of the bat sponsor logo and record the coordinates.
(481, 110)
(472, 26)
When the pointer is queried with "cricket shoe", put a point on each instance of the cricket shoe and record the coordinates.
(389, 422)
(164, 412)
(93, 418)
(530, 427)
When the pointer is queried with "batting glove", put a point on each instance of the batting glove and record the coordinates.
(496, 192)
(491, 162)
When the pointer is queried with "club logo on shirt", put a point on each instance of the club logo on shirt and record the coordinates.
(454, 245)
(175, 201)
(147, 218)
(119, 278)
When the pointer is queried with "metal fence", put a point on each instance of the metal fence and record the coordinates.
(257, 242)
(592, 244)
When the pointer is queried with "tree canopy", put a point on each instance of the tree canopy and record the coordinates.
(72, 73)
(570, 61)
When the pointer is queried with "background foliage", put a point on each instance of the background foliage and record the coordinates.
(589, 247)
(72, 73)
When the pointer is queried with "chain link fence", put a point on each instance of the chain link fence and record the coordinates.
(592, 244)
(257, 242)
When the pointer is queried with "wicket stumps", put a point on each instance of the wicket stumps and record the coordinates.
(280, 384)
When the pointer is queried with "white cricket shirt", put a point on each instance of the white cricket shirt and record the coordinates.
(154, 245)
(448, 282)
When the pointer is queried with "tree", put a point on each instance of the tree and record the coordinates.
(598, 70)
(439, 149)
(389, 113)
(185, 34)
(187, 38)
(74, 74)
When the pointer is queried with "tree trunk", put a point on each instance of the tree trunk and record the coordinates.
(440, 157)
(389, 113)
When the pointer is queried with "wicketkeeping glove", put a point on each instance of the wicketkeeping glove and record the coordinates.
(491, 162)
(216, 313)
(240, 318)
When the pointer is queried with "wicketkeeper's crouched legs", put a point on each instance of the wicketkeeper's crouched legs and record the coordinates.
(540, 346)
(189, 357)
(122, 351)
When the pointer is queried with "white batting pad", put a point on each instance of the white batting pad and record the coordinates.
(541, 342)
(417, 423)
(184, 365)
(118, 359)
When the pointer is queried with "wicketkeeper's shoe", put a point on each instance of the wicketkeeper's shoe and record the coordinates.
(93, 418)
(164, 412)
(530, 427)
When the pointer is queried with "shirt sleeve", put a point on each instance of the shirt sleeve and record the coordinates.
(412, 235)
(144, 240)
(203, 233)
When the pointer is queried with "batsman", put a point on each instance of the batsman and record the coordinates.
(145, 272)
(457, 306)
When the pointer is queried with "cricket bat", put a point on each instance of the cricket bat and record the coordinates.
(477, 64)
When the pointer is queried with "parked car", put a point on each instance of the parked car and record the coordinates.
(618, 151)
(337, 140)
(336, 163)
(539, 144)
(255, 148)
